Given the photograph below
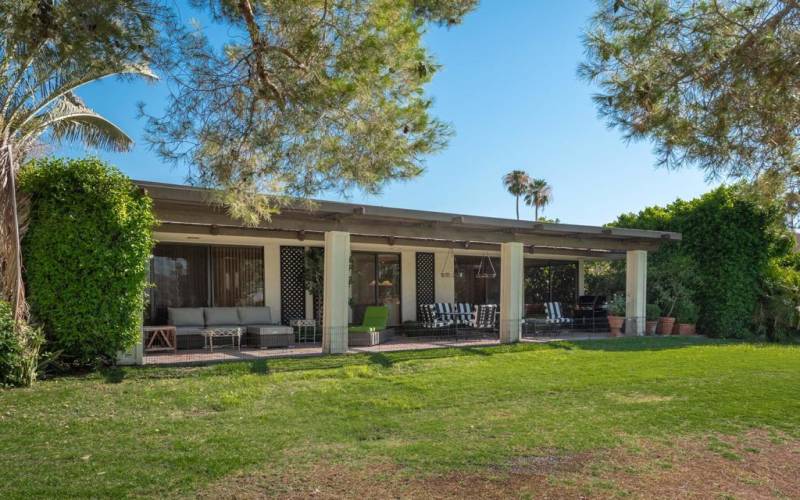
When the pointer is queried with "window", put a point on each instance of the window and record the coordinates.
(375, 281)
(203, 276)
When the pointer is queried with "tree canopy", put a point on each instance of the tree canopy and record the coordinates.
(711, 83)
(303, 96)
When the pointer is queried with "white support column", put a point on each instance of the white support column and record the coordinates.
(272, 280)
(408, 285)
(511, 292)
(581, 277)
(335, 309)
(635, 292)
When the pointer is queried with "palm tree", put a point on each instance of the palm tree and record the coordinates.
(515, 182)
(538, 193)
(37, 99)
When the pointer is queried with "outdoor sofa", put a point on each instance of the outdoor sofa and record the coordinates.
(256, 323)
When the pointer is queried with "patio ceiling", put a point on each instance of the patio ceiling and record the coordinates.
(184, 209)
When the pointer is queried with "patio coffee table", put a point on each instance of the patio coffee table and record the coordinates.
(235, 334)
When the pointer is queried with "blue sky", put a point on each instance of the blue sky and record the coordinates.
(509, 88)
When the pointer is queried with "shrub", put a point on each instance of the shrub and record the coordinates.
(86, 254)
(19, 350)
(652, 312)
(686, 312)
(10, 346)
(616, 306)
(729, 238)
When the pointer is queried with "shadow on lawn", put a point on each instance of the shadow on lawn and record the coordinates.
(638, 344)
(386, 360)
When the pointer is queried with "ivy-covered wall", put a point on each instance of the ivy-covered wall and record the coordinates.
(86, 253)
(734, 240)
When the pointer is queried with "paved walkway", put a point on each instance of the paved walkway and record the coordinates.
(222, 354)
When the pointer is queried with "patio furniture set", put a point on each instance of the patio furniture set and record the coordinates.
(209, 327)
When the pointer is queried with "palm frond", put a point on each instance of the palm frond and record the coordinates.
(70, 120)
(45, 92)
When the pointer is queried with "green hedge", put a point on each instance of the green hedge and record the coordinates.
(86, 253)
(733, 237)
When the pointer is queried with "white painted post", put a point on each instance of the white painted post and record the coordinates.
(408, 285)
(511, 292)
(581, 277)
(335, 309)
(635, 292)
(272, 280)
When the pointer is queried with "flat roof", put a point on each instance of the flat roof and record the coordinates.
(180, 205)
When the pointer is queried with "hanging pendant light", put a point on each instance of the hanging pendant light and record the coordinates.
(486, 269)
(450, 257)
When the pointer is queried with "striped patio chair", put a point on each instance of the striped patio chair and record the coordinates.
(485, 317)
(554, 314)
(444, 313)
(463, 314)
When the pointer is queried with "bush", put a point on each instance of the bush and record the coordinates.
(19, 350)
(86, 253)
(686, 312)
(731, 237)
(10, 346)
(652, 312)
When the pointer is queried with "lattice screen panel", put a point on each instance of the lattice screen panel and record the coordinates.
(426, 292)
(293, 290)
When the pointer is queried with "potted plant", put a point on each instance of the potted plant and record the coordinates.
(616, 314)
(653, 312)
(672, 280)
(687, 318)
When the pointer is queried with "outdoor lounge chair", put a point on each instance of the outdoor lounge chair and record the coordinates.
(372, 329)
(555, 316)
(485, 317)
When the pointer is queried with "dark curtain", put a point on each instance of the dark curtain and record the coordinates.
(237, 276)
(179, 277)
(203, 276)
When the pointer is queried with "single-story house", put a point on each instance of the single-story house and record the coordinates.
(372, 255)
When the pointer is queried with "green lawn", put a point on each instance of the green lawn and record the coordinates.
(174, 431)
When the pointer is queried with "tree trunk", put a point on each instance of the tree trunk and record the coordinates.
(13, 289)
(536, 212)
(517, 207)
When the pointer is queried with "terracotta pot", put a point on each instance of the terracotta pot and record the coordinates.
(615, 325)
(665, 325)
(650, 327)
(686, 329)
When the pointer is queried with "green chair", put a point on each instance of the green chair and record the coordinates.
(375, 320)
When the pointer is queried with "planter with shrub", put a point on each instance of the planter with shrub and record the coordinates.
(616, 315)
(653, 312)
(686, 319)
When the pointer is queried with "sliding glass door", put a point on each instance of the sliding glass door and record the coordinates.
(470, 286)
(375, 281)
(185, 275)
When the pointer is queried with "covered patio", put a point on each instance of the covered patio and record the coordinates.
(401, 259)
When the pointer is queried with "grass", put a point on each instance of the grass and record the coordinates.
(173, 431)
